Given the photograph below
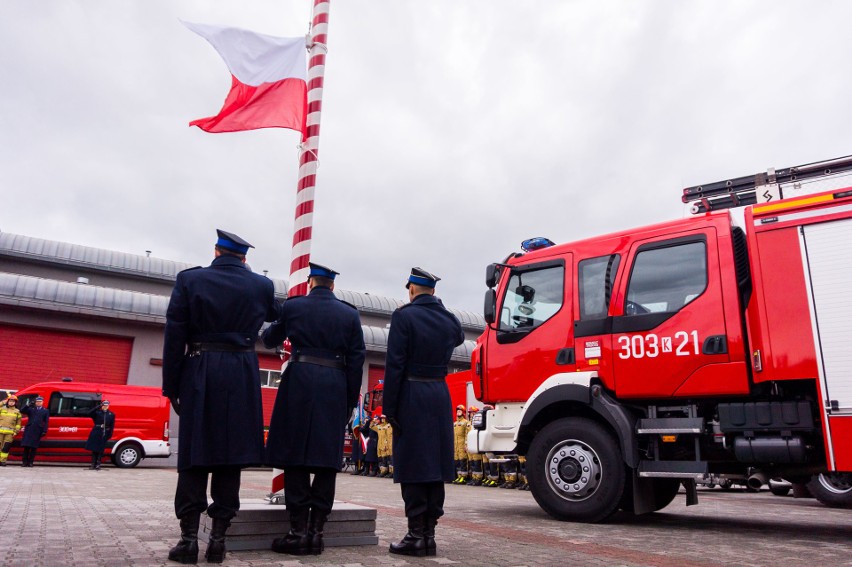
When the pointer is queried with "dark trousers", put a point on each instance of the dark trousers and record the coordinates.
(300, 494)
(191, 492)
(96, 458)
(29, 455)
(423, 498)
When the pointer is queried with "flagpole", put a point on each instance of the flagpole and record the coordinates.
(308, 160)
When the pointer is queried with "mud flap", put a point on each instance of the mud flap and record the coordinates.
(691, 491)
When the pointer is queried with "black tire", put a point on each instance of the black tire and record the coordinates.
(127, 455)
(832, 489)
(575, 470)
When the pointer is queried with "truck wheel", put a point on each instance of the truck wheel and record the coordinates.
(832, 489)
(575, 470)
(128, 456)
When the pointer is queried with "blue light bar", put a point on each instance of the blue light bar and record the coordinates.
(536, 243)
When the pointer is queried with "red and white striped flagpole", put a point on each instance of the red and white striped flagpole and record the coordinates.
(303, 225)
(308, 160)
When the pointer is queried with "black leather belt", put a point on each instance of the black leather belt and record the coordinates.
(195, 348)
(425, 378)
(319, 361)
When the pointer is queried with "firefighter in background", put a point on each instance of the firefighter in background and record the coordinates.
(461, 427)
(101, 433)
(384, 446)
(357, 450)
(490, 469)
(510, 472)
(371, 455)
(10, 424)
(522, 473)
(474, 459)
(37, 421)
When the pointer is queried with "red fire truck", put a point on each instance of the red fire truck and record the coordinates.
(456, 382)
(626, 365)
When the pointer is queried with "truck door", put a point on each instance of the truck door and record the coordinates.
(670, 337)
(533, 338)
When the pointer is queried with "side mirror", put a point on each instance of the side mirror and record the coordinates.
(490, 308)
(492, 271)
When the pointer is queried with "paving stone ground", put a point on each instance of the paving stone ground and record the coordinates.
(65, 515)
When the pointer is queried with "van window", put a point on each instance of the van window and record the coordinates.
(664, 279)
(72, 404)
(596, 277)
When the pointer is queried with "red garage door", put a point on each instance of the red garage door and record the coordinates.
(30, 355)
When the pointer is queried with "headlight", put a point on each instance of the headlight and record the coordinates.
(479, 420)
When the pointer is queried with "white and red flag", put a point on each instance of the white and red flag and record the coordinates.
(268, 80)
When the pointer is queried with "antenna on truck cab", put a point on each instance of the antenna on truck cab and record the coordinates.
(771, 185)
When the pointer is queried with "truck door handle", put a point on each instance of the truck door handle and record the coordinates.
(565, 356)
(717, 344)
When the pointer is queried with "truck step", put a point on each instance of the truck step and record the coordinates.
(672, 469)
(670, 425)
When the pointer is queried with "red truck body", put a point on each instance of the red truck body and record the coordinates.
(627, 364)
(141, 421)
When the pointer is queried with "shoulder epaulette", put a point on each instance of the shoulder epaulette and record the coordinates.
(347, 303)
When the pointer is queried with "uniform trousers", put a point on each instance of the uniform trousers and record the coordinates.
(191, 493)
(300, 494)
(423, 498)
(29, 455)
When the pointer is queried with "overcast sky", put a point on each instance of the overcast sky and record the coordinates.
(451, 129)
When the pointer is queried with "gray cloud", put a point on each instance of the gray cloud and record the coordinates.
(451, 130)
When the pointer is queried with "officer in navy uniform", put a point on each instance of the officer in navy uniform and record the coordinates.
(210, 374)
(316, 396)
(38, 419)
(101, 433)
(417, 403)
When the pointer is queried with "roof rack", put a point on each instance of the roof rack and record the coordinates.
(761, 187)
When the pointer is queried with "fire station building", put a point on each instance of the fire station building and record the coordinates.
(94, 315)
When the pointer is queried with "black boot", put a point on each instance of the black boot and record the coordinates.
(315, 532)
(429, 535)
(296, 542)
(186, 551)
(216, 544)
(414, 542)
(94, 461)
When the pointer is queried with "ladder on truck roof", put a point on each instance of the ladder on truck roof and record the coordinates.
(771, 185)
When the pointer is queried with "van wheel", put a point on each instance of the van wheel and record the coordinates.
(128, 456)
(575, 470)
(832, 489)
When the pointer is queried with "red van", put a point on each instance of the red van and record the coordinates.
(141, 421)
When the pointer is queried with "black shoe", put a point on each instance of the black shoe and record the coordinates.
(315, 529)
(429, 535)
(216, 544)
(296, 542)
(414, 542)
(186, 551)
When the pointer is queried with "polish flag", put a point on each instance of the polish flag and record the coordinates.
(268, 80)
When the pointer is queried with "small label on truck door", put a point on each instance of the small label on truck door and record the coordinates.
(592, 349)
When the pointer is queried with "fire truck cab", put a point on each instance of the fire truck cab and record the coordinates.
(628, 364)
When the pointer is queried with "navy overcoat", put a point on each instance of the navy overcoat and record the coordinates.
(421, 340)
(36, 428)
(102, 431)
(221, 415)
(314, 402)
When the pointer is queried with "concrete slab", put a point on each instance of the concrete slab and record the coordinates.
(259, 522)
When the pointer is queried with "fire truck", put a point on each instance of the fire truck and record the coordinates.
(628, 365)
